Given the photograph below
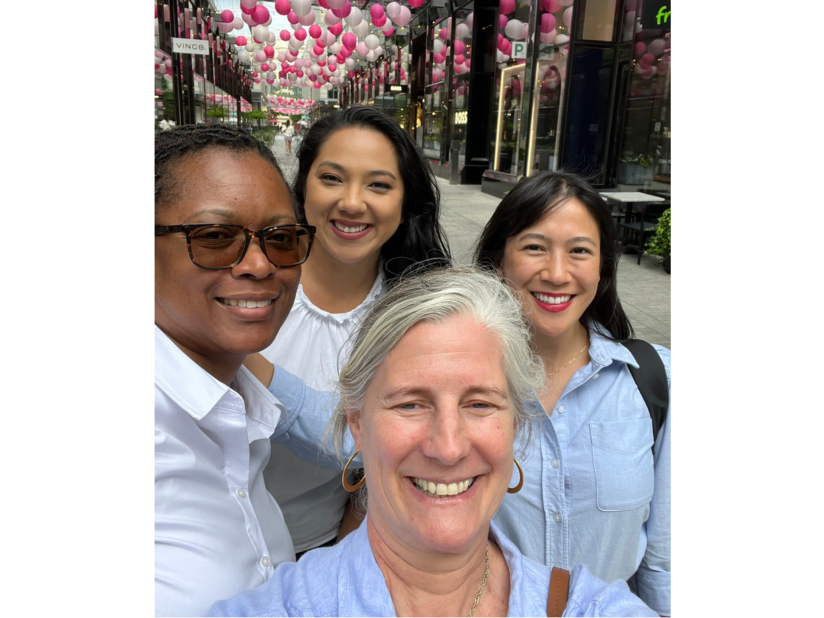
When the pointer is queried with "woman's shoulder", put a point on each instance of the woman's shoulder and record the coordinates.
(590, 596)
(304, 588)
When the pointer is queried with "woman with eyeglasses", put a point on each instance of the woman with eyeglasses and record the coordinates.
(229, 244)
(367, 188)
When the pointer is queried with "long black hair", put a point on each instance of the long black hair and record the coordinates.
(419, 243)
(173, 146)
(530, 201)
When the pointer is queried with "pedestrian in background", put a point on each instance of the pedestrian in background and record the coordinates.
(288, 132)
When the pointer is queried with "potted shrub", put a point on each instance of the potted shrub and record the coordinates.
(660, 243)
(634, 170)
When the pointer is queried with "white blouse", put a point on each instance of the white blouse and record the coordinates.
(309, 345)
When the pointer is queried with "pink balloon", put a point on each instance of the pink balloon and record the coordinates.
(343, 12)
(283, 7)
(285, 35)
(459, 47)
(317, 50)
(336, 29)
(376, 11)
(403, 17)
(444, 34)
(567, 17)
(261, 14)
(361, 48)
(314, 31)
(240, 41)
(647, 60)
(439, 58)
(507, 6)
(639, 49)
(299, 73)
(416, 3)
(656, 47)
(388, 31)
(264, 66)
(269, 51)
(292, 17)
(349, 40)
(459, 59)
(336, 4)
(379, 21)
(503, 20)
(552, 6)
(260, 56)
(548, 22)
(227, 16)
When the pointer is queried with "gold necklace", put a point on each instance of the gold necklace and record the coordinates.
(483, 584)
(570, 362)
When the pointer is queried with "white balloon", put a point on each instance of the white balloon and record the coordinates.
(565, 2)
(561, 39)
(330, 18)
(335, 48)
(354, 18)
(330, 38)
(371, 41)
(247, 19)
(470, 19)
(393, 9)
(272, 37)
(349, 63)
(307, 20)
(371, 56)
(514, 29)
(549, 37)
(301, 8)
(268, 21)
(461, 31)
(237, 23)
(243, 56)
(250, 46)
(261, 33)
(291, 77)
(403, 18)
(315, 69)
(361, 29)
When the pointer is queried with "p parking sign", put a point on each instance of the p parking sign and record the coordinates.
(519, 49)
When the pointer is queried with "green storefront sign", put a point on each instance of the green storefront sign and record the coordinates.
(656, 15)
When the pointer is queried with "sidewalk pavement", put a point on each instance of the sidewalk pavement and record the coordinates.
(644, 289)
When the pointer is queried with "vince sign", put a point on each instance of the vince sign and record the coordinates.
(190, 46)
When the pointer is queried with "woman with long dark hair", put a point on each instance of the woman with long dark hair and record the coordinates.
(366, 187)
(597, 487)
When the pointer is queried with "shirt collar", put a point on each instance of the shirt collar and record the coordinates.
(604, 351)
(197, 392)
(183, 380)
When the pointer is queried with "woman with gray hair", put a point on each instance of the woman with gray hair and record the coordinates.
(433, 394)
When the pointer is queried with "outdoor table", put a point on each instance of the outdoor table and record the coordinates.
(631, 199)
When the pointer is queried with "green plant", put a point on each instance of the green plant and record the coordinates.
(216, 112)
(660, 243)
(642, 160)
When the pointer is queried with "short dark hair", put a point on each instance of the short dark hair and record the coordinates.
(175, 145)
(419, 242)
(532, 199)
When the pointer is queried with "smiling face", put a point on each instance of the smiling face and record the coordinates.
(555, 266)
(354, 195)
(200, 309)
(437, 414)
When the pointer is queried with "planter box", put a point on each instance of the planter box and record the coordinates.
(633, 174)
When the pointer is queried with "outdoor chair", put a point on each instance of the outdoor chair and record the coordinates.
(643, 226)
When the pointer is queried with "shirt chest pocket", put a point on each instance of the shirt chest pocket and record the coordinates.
(622, 457)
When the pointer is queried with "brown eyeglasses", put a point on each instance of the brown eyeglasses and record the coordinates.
(217, 246)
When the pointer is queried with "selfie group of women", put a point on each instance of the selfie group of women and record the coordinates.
(346, 424)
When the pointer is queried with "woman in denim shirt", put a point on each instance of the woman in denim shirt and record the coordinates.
(596, 492)
(433, 394)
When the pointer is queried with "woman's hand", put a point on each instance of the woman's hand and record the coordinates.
(261, 368)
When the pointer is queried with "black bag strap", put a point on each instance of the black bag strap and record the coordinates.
(651, 379)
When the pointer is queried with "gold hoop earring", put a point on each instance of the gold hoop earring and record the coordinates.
(357, 485)
(517, 488)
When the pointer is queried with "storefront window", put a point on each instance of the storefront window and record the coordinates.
(461, 62)
(644, 155)
(435, 104)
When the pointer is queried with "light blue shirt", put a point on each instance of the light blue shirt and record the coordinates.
(593, 493)
(345, 580)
